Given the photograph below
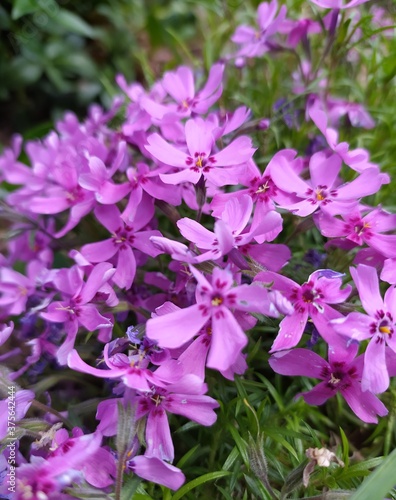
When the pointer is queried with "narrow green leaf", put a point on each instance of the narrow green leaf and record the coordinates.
(185, 458)
(73, 23)
(345, 448)
(211, 476)
(241, 444)
(23, 7)
(380, 482)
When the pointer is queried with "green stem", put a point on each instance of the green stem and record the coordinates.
(47, 409)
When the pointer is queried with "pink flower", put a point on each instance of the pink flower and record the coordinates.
(312, 300)
(200, 160)
(343, 373)
(185, 397)
(124, 238)
(323, 189)
(215, 301)
(179, 84)
(77, 308)
(358, 229)
(378, 326)
(255, 43)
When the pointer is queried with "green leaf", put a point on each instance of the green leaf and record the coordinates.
(241, 444)
(73, 23)
(211, 476)
(380, 482)
(23, 7)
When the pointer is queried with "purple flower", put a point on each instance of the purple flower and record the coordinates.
(342, 374)
(77, 308)
(378, 325)
(124, 237)
(310, 300)
(156, 470)
(179, 84)
(215, 301)
(133, 369)
(358, 229)
(200, 159)
(47, 478)
(185, 397)
(255, 43)
(230, 230)
(323, 189)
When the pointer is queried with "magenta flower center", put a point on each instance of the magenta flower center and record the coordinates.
(383, 326)
(262, 189)
(200, 162)
(123, 237)
(321, 195)
(338, 376)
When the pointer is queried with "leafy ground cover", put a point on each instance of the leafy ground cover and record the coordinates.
(198, 279)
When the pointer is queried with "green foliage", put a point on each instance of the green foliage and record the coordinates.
(54, 57)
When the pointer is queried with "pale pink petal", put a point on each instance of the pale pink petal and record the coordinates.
(99, 275)
(367, 183)
(224, 237)
(175, 329)
(156, 470)
(159, 442)
(319, 394)
(366, 280)
(199, 137)
(228, 340)
(196, 233)
(164, 152)
(126, 268)
(375, 376)
(356, 326)
(109, 216)
(324, 169)
(198, 408)
(75, 362)
(239, 151)
(186, 175)
(237, 213)
(100, 251)
(291, 330)
(286, 178)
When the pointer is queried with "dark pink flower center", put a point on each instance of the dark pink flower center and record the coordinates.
(200, 162)
(383, 326)
(123, 237)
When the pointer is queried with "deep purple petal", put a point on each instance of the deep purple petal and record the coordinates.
(319, 394)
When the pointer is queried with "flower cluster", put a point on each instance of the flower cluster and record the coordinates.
(168, 224)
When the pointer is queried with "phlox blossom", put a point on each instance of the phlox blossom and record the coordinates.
(216, 301)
